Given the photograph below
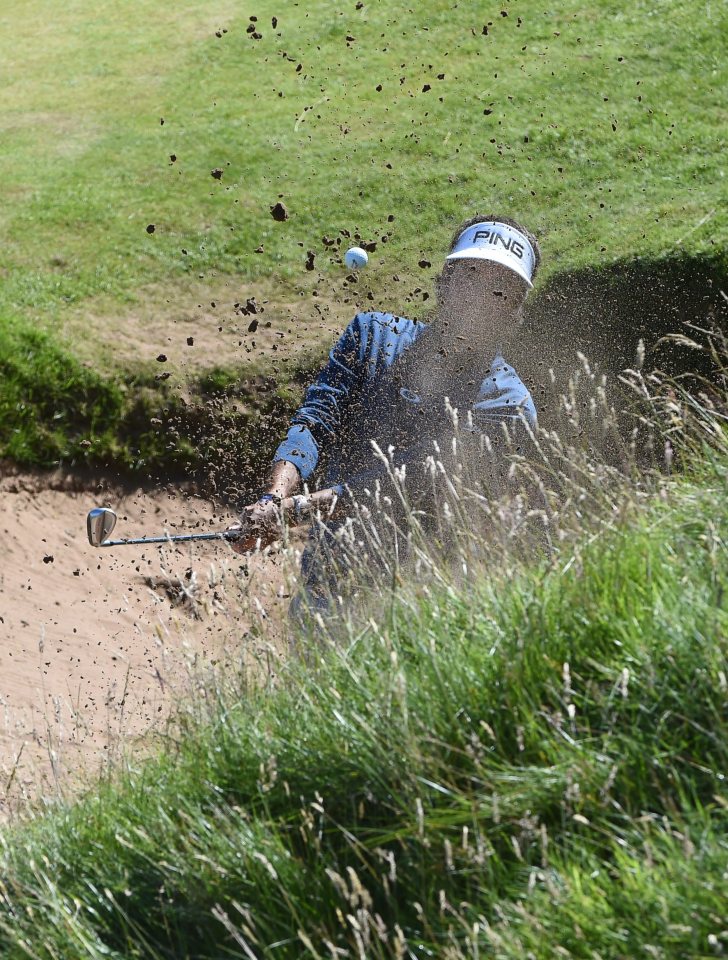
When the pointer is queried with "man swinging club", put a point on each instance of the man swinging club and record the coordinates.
(387, 378)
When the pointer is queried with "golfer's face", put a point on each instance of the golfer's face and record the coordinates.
(480, 282)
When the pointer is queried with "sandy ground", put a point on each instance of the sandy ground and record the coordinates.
(98, 645)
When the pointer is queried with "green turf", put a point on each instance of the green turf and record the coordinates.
(601, 125)
(56, 410)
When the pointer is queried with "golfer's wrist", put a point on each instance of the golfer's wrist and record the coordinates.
(300, 507)
(270, 497)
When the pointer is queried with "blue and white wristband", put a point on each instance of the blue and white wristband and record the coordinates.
(301, 505)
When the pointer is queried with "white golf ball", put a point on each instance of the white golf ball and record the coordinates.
(355, 258)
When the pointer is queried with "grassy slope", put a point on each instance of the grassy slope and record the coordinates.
(604, 131)
(621, 106)
(533, 767)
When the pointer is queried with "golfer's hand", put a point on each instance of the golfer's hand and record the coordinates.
(260, 525)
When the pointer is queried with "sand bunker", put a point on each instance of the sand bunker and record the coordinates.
(97, 645)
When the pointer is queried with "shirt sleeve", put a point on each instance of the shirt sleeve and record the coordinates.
(319, 417)
(504, 397)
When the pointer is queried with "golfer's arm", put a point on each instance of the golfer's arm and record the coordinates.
(284, 479)
(331, 503)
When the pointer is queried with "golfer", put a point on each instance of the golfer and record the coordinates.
(387, 380)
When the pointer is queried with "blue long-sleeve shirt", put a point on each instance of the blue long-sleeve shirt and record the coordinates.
(357, 398)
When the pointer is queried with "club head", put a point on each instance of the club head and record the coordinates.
(100, 523)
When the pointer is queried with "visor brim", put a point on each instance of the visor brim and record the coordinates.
(495, 256)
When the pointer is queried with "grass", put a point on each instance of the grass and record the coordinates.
(626, 159)
(514, 767)
(56, 410)
(38, 379)
(599, 127)
(528, 763)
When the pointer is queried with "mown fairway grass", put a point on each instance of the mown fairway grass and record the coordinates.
(532, 766)
(601, 125)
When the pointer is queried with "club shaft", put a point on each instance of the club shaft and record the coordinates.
(178, 538)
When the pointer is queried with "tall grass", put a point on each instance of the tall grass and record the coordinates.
(528, 763)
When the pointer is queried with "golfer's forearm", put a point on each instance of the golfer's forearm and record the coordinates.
(302, 509)
(330, 502)
(284, 479)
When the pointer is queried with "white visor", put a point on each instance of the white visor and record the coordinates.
(498, 242)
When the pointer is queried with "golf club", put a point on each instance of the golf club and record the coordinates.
(101, 521)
